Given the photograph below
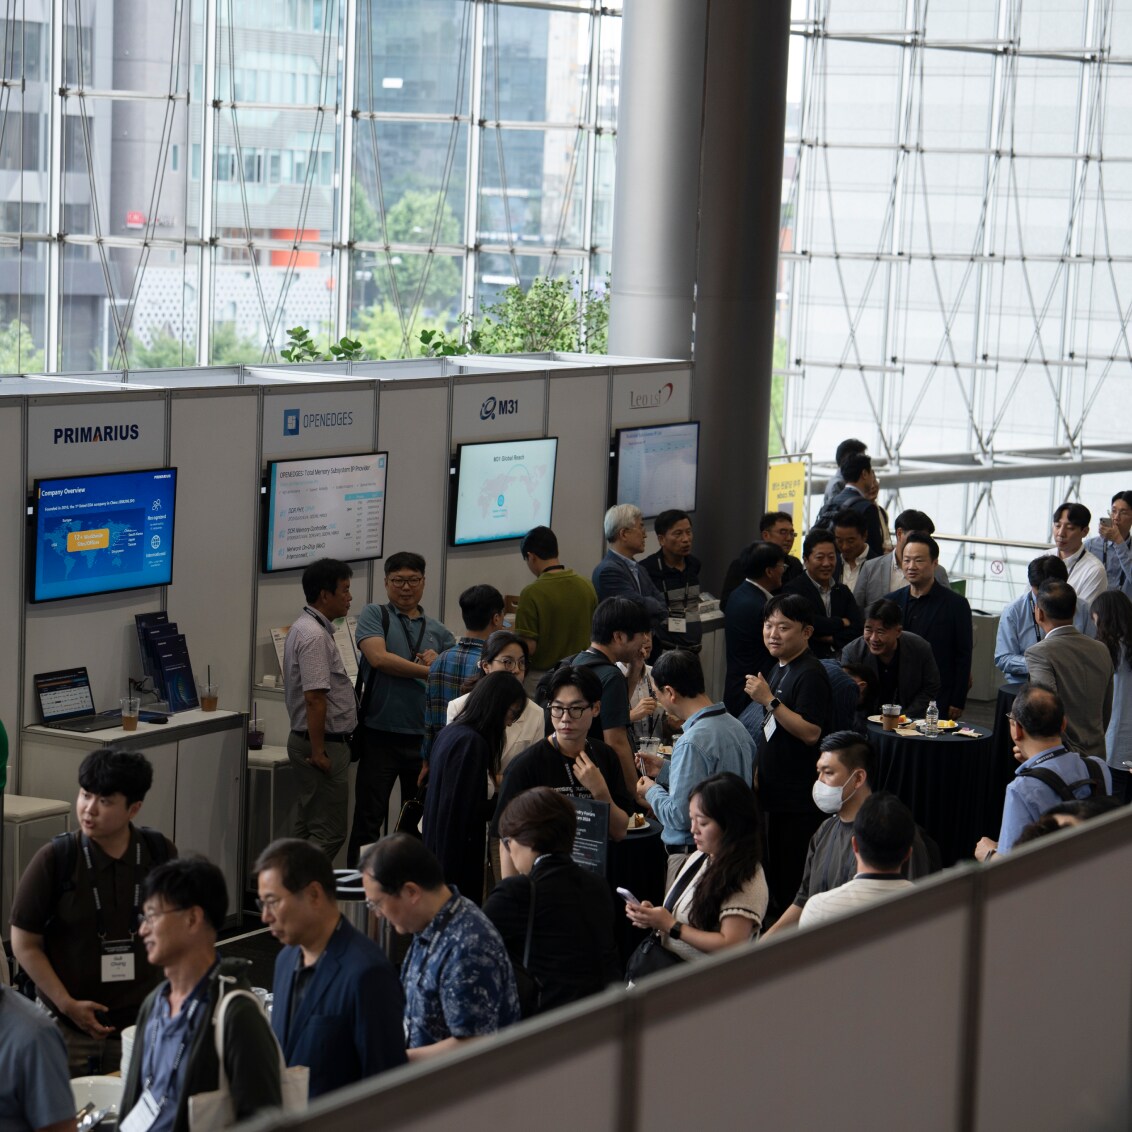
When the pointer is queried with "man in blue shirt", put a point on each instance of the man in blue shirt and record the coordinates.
(398, 642)
(1018, 628)
(1037, 721)
(713, 741)
(36, 1093)
(1113, 545)
(458, 979)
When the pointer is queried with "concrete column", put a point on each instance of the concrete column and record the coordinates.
(658, 171)
(737, 271)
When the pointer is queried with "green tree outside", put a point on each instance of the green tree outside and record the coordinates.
(17, 350)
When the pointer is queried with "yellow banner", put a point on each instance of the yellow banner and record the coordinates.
(786, 491)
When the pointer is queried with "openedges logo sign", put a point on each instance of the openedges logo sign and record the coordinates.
(294, 420)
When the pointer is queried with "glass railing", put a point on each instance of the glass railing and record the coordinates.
(989, 572)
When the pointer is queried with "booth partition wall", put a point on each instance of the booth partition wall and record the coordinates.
(182, 182)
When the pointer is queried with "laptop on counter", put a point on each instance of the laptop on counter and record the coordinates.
(66, 702)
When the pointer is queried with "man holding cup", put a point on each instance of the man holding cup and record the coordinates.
(713, 740)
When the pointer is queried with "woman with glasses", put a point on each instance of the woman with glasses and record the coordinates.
(568, 761)
(463, 775)
(505, 651)
(719, 897)
(571, 952)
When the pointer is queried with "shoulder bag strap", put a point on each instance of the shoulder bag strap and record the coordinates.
(678, 889)
(530, 927)
(218, 1036)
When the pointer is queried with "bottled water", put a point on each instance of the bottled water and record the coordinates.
(931, 720)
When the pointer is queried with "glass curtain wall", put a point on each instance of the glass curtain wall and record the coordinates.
(956, 272)
(182, 182)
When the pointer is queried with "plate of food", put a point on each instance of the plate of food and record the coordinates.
(638, 823)
(880, 719)
(944, 724)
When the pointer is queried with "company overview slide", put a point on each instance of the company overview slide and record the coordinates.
(327, 507)
(505, 488)
(656, 467)
(98, 534)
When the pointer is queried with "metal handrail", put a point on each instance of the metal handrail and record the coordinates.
(983, 541)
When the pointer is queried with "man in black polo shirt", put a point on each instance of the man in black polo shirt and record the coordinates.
(941, 617)
(795, 694)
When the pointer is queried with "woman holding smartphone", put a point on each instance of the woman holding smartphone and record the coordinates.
(719, 898)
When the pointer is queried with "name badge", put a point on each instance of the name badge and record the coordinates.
(117, 961)
(142, 1115)
(677, 624)
(770, 726)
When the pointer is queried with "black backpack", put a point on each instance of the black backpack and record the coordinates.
(1067, 791)
(65, 847)
(852, 501)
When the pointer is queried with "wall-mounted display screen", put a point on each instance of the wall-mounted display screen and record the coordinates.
(325, 507)
(655, 467)
(102, 533)
(502, 489)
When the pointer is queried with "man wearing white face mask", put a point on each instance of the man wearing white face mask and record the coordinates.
(841, 789)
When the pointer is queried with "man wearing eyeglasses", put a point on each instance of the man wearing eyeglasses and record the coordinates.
(338, 1003)
(74, 916)
(398, 642)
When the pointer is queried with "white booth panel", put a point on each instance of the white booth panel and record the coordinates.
(1046, 977)
(330, 422)
(792, 1047)
(651, 396)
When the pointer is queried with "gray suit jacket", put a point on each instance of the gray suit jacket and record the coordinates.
(919, 673)
(1079, 669)
(873, 582)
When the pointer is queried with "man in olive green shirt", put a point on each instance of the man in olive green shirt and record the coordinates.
(556, 610)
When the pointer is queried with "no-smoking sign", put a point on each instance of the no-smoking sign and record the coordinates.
(997, 566)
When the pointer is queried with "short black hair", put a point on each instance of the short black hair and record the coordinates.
(794, 607)
(914, 521)
(666, 520)
(399, 859)
(541, 819)
(884, 830)
(1038, 710)
(924, 538)
(849, 518)
(850, 447)
(1048, 567)
(619, 615)
(1057, 600)
(580, 676)
(1076, 513)
(478, 605)
(190, 882)
(111, 770)
(886, 612)
(771, 517)
(680, 670)
(760, 557)
(854, 467)
(405, 560)
(852, 750)
(1122, 497)
(324, 576)
(299, 863)
(815, 538)
(542, 542)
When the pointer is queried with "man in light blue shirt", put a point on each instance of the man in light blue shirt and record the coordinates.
(1017, 628)
(713, 741)
(1037, 721)
(1113, 546)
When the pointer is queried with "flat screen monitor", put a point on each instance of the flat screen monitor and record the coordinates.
(103, 533)
(655, 467)
(325, 507)
(502, 489)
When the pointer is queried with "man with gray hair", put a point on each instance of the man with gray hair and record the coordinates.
(617, 574)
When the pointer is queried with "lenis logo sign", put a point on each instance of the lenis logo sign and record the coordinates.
(651, 400)
(503, 406)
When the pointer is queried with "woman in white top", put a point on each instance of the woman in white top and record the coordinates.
(505, 651)
(719, 897)
(646, 716)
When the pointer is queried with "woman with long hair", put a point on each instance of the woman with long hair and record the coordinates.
(719, 897)
(505, 651)
(463, 777)
(1112, 614)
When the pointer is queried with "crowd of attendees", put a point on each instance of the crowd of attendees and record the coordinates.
(586, 807)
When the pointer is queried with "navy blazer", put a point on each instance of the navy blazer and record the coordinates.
(746, 652)
(349, 1022)
(842, 606)
(944, 621)
(613, 577)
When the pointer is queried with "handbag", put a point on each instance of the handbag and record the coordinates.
(214, 1110)
(651, 955)
(528, 984)
(363, 694)
(412, 811)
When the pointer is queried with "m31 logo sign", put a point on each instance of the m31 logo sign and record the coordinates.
(498, 406)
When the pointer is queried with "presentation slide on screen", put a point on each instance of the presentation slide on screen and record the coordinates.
(656, 467)
(329, 507)
(504, 489)
(98, 534)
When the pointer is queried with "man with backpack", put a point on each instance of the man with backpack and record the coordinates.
(858, 496)
(1050, 772)
(75, 912)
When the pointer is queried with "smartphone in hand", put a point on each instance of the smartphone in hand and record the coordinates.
(627, 896)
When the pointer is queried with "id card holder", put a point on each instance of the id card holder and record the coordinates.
(117, 957)
(141, 1117)
(770, 726)
(677, 624)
